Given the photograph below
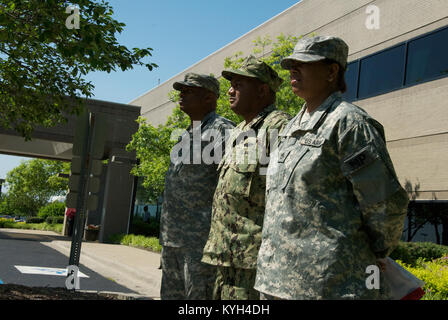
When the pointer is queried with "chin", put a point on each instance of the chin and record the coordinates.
(297, 92)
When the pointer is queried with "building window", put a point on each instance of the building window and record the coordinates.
(382, 72)
(351, 79)
(427, 57)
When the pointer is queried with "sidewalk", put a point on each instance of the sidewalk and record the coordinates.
(133, 268)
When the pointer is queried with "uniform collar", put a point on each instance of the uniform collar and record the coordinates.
(208, 118)
(316, 116)
(260, 117)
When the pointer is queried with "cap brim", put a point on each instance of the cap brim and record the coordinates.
(301, 57)
(229, 74)
(180, 84)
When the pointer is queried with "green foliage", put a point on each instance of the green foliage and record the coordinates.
(153, 145)
(42, 62)
(435, 275)
(52, 209)
(6, 223)
(32, 184)
(283, 47)
(31, 226)
(54, 220)
(34, 220)
(411, 252)
(137, 241)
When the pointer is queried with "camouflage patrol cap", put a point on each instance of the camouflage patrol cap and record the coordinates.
(254, 68)
(317, 49)
(198, 80)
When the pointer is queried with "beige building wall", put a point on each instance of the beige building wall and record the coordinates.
(414, 118)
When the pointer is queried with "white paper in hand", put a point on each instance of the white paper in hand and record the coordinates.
(400, 281)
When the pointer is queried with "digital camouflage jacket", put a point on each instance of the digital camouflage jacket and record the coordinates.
(333, 206)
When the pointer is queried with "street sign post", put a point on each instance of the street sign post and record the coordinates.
(84, 182)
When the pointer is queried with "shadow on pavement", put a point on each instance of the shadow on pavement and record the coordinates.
(18, 235)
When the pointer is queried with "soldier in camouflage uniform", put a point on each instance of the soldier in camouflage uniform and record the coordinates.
(189, 186)
(334, 204)
(238, 203)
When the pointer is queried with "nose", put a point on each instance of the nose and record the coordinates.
(231, 91)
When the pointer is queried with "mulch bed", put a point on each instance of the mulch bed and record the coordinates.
(20, 292)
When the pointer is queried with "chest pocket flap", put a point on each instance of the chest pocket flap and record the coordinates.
(239, 178)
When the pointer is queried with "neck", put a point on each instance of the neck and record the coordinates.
(198, 116)
(314, 102)
(248, 117)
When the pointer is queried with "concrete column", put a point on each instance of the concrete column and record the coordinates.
(117, 195)
(94, 217)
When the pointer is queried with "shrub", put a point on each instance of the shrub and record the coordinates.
(434, 274)
(410, 252)
(34, 220)
(148, 229)
(54, 220)
(138, 241)
(53, 209)
(6, 223)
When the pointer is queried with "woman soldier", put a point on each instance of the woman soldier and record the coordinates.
(334, 205)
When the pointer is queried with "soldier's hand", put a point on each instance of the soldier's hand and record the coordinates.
(382, 264)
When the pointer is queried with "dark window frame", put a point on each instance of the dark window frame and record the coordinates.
(405, 69)
(357, 74)
(380, 92)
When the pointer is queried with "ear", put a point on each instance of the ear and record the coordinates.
(333, 70)
(264, 90)
(209, 97)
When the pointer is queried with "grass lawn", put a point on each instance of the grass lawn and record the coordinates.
(8, 223)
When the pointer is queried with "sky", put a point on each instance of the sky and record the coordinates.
(180, 32)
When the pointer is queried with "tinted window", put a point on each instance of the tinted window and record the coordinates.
(382, 72)
(427, 57)
(351, 79)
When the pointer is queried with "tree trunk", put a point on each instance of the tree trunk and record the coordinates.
(445, 230)
(436, 230)
(410, 214)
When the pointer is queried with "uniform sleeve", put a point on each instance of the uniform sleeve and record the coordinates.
(276, 125)
(366, 163)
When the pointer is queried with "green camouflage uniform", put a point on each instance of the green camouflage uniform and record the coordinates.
(186, 208)
(238, 204)
(334, 205)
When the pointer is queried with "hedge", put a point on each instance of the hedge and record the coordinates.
(53, 209)
(410, 252)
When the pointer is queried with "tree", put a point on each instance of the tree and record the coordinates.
(153, 145)
(44, 57)
(32, 184)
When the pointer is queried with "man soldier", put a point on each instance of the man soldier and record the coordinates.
(238, 203)
(189, 187)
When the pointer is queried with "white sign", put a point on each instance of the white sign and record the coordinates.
(47, 271)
